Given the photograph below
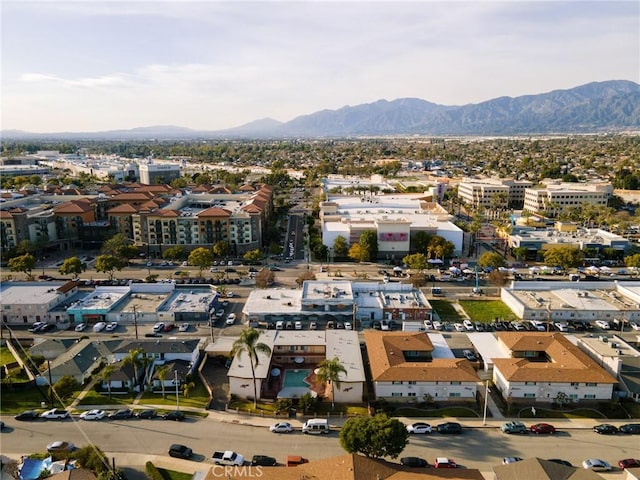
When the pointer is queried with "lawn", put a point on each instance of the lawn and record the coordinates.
(549, 413)
(322, 408)
(198, 397)
(445, 311)
(15, 401)
(459, 412)
(487, 310)
(6, 356)
(95, 398)
(173, 475)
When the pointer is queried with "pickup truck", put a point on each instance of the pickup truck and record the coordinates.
(227, 458)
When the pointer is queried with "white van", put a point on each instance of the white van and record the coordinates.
(280, 325)
(316, 426)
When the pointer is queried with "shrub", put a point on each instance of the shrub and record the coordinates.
(152, 472)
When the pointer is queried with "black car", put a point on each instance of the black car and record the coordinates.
(180, 451)
(176, 415)
(416, 462)
(560, 462)
(147, 414)
(631, 428)
(450, 427)
(27, 415)
(121, 414)
(263, 461)
(605, 429)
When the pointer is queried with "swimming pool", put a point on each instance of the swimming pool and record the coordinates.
(293, 384)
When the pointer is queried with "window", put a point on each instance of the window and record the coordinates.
(411, 394)
(591, 384)
(529, 395)
(575, 384)
(454, 394)
(396, 394)
(530, 383)
(589, 396)
(573, 396)
(454, 383)
(412, 382)
(396, 382)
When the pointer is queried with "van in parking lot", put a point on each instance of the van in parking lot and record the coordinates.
(316, 426)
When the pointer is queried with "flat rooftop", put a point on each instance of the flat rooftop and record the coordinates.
(103, 298)
(195, 300)
(567, 298)
(273, 301)
(143, 302)
(327, 291)
(28, 293)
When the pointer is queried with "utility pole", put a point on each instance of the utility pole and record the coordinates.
(135, 320)
(177, 385)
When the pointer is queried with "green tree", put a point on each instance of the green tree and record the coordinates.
(134, 358)
(563, 256)
(306, 402)
(119, 246)
(221, 248)
(162, 371)
(252, 256)
(632, 261)
(92, 458)
(264, 278)
(187, 387)
(340, 247)
(26, 246)
(520, 252)
(420, 241)
(416, 261)
(106, 374)
(176, 252)
(378, 436)
(369, 242)
(65, 387)
(329, 371)
(491, 259)
(109, 264)
(201, 257)
(248, 343)
(439, 247)
(304, 276)
(72, 265)
(24, 263)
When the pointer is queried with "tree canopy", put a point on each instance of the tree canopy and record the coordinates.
(377, 436)
(416, 261)
(563, 256)
(491, 259)
(119, 246)
(201, 257)
(24, 263)
(109, 264)
(72, 266)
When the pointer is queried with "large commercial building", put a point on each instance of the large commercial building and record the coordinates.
(152, 172)
(30, 302)
(557, 198)
(492, 192)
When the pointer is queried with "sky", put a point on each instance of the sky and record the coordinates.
(209, 65)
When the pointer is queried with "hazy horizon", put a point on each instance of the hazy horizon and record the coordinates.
(212, 65)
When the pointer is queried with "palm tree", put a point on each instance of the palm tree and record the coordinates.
(186, 388)
(134, 360)
(106, 374)
(162, 372)
(248, 343)
(329, 371)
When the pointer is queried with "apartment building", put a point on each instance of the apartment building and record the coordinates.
(557, 198)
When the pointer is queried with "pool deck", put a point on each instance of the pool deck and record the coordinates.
(274, 385)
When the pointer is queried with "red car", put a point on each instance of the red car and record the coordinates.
(169, 326)
(542, 428)
(629, 463)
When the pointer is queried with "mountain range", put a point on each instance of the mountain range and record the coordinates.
(595, 107)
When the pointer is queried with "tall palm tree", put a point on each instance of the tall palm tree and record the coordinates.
(162, 372)
(106, 374)
(248, 343)
(329, 371)
(134, 359)
(187, 387)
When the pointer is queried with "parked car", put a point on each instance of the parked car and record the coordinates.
(27, 415)
(281, 427)
(630, 428)
(158, 327)
(60, 446)
(415, 462)
(514, 427)
(168, 327)
(634, 325)
(147, 414)
(111, 326)
(559, 461)
(55, 414)
(176, 416)
(469, 355)
(596, 465)
(294, 460)
(419, 428)
(629, 463)
(468, 325)
(543, 428)
(180, 451)
(227, 457)
(605, 429)
(313, 326)
(36, 326)
(298, 325)
(121, 414)
(263, 461)
(92, 415)
(183, 327)
(459, 327)
(100, 326)
(508, 460)
(603, 324)
(47, 327)
(231, 319)
(80, 327)
(445, 462)
(347, 326)
(450, 427)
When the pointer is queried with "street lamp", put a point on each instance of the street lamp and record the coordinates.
(177, 384)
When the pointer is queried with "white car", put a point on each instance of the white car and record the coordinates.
(459, 327)
(468, 325)
(634, 325)
(348, 326)
(92, 415)
(55, 414)
(80, 327)
(298, 325)
(596, 465)
(281, 427)
(158, 327)
(111, 326)
(183, 327)
(428, 325)
(36, 326)
(230, 294)
(313, 326)
(149, 264)
(98, 327)
(419, 428)
(603, 324)
(231, 319)
(437, 325)
(562, 327)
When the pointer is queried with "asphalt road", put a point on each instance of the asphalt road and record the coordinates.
(477, 448)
